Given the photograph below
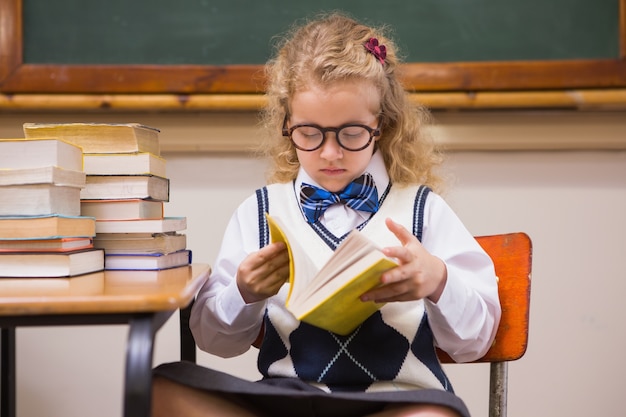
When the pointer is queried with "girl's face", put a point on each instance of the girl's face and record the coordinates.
(332, 166)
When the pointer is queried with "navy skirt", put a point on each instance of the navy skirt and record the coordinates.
(291, 397)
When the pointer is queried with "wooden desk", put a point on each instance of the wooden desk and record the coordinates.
(143, 299)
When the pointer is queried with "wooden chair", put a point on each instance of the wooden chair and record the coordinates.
(512, 257)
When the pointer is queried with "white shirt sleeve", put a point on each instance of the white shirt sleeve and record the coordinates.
(221, 322)
(465, 319)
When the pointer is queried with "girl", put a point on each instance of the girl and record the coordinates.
(348, 151)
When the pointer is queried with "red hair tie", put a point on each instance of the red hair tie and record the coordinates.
(379, 51)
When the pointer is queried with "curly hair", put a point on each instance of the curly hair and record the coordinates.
(329, 50)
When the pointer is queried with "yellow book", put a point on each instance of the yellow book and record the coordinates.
(329, 298)
(100, 137)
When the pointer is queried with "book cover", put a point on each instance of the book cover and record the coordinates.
(154, 261)
(329, 298)
(129, 209)
(138, 243)
(46, 227)
(112, 187)
(42, 175)
(51, 264)
(100, 137)
(35, 153)
(141, 163)
(164, 225)
(39, 199)
(46, 245)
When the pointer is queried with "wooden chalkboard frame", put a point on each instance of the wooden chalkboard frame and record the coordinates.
(17, 77)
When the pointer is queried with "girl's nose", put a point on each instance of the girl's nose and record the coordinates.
(330, 149)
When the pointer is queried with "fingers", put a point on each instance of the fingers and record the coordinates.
(422, 278)
(390, 292)
(262, 273)
(397, 284)
(410, 246)
(419, 274)
(403, 290)
(271, 258)
(403, 235)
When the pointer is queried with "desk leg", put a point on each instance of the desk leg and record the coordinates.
(139, 353)
(7, 369)
(187, 342)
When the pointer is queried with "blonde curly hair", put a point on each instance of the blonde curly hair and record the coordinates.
(331, 49)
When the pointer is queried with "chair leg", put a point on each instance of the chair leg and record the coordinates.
(499, 374)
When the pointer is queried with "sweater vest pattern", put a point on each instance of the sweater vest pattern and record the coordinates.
(392, 350)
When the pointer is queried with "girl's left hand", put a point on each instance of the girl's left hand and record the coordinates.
(419, 275)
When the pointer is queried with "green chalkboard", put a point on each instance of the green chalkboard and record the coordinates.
(227, 32)
(190, 47)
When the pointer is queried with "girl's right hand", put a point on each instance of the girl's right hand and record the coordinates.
(261, 274)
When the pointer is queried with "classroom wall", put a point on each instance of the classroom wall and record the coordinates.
(571, 203)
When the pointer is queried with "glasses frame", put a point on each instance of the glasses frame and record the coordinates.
(287, 132)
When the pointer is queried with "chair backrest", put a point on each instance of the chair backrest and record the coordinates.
(512, 258)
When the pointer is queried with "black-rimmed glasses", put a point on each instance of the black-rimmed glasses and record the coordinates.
(351, 137)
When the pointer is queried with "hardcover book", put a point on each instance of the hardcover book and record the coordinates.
(112, 187)
(141, 163)
(35, 153)
(164, 225)
(329, 298)
(39, 199)
(154, 261)
(62, 244)
(122, 209)
(139, 243)
(46, 227)
(42, 175)
(100, 137)
(51, 264)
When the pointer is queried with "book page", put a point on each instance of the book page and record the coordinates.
(354, 247)
(339, 299)
(331, 284)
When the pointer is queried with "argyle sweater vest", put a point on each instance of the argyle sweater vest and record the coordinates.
(392, 350)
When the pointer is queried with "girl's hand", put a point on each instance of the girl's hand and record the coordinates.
(419, 275)
(262, 273)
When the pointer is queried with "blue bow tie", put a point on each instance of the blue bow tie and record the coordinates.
(360, 194)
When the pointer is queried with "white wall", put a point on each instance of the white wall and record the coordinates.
(572, 204)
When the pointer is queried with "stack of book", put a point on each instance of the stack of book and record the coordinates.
(125, 191)
(42, 232)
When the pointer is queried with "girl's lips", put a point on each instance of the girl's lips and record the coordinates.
(333, 171)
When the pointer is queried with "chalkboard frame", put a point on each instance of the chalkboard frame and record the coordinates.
(17, 77)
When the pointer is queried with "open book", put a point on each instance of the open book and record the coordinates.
(329, 298)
